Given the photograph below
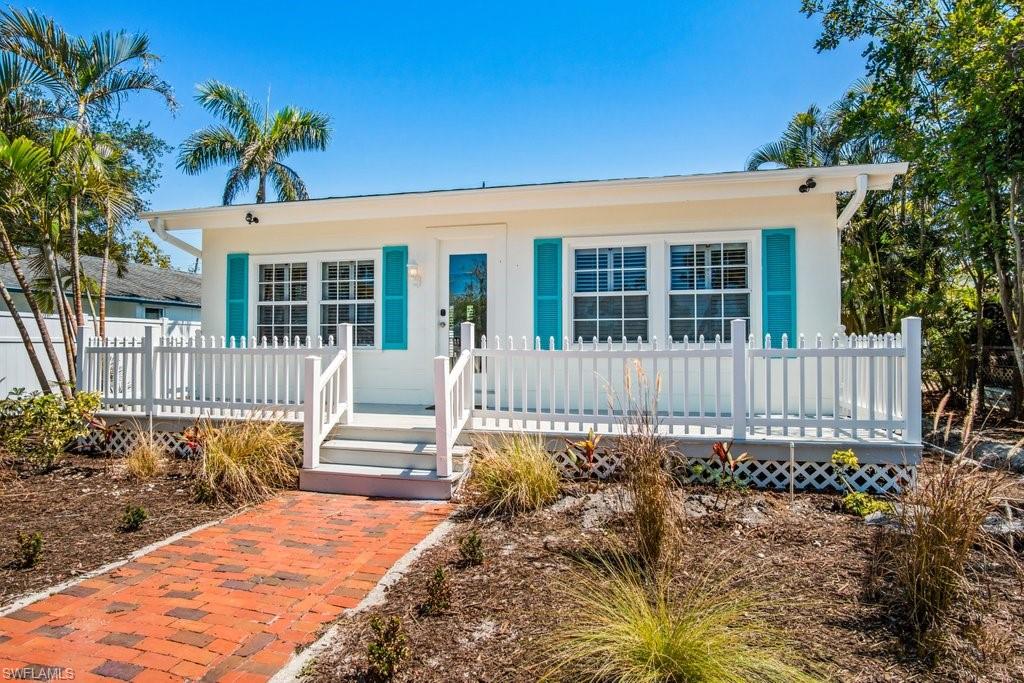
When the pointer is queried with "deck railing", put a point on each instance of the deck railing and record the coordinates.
(454, 393)
(207, 377)
(841, 387)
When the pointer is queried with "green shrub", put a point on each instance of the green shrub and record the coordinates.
(513, 473)
(471, 549)
(245, 462)
(388, 650)
(28, 548)
(859, 503)
(38, 427)
(439, 594)
(132, 518)
(622, 626)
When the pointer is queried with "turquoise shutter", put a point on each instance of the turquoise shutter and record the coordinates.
(395, 312)
(237, 287)
(547, 290)
(778, 284)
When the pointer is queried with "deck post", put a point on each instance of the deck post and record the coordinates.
(149, 373)
(911, 330)
(442, 430)
(739, 379)
(310, 412)
(347, 372)
(467, 332)
(80, 361)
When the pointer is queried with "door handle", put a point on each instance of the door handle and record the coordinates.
(443, 324)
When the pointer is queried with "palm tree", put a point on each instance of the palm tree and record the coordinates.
(85, 76)
(253, 142)
(25, 168)
(821, 138)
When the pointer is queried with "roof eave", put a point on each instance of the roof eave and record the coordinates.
(746, 184)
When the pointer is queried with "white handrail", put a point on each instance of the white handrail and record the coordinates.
(453, 399)
(328, 398)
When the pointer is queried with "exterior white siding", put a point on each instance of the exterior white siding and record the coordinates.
(406, 376)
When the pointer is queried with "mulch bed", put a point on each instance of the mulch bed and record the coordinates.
(808, 556)
(77, 507)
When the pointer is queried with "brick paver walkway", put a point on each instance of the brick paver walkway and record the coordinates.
(227, 603)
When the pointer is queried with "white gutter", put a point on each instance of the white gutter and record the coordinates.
(157, 225)
(858, 198)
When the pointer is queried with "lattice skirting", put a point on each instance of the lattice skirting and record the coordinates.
(767, 474)
(120, 440)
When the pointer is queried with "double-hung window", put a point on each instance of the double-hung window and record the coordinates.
(709, 285)
(347, 296)
(610, 297)
(282, 309)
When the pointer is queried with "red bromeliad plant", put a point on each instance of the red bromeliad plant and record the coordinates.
(723, 451)
(585, 450)
(193, 439)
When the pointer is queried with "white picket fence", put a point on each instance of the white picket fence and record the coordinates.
(15, 369)
(293, 380)
(841, 388)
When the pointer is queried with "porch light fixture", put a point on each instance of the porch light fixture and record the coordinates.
(250, 219)
(808, 185)
(414, 273)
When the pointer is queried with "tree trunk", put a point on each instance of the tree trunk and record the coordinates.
(26, 287)
(26, 339)
(76, 265)
(60, 308)
(261, 191)
(103, 275)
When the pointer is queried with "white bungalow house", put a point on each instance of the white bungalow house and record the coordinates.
(567, 284)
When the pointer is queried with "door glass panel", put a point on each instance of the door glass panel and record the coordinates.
(467, 297)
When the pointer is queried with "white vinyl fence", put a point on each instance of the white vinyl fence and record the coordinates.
(15, 369)
(843, 388)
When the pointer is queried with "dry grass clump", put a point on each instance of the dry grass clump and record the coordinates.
(512, 473)
(148, 456)
(927, 564)
(646, 464)
(625, 627)
(245, 462)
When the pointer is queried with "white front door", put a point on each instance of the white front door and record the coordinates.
(467, 286)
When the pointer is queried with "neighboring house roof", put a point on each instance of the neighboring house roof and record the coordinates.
(141, 283)
(569, 194)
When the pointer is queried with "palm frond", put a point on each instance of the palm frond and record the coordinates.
(287, 183)
(239, 179)
(232, 105)
(295, 130)
(207, 148)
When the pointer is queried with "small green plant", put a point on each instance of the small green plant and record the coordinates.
(624, 625)
(132, 518)
(388, 651)
(38, 427)
(862, 504)
(28, 549)
(584, 452)
(471, 549)
(513, 473)
(439, 594)
(845, 460)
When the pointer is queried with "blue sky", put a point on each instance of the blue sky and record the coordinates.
(441, 94)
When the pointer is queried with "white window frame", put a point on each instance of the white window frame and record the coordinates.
(647, 292)
(254, 318)
(658, 269)
(314, 267)
(748, 290)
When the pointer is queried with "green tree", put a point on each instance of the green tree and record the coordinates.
(253, 141)
(947, 92)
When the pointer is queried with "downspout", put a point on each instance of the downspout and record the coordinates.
(157, 226)
(847, 214)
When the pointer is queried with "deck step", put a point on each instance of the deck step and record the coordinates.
(397, 433)
(386, 453)
(385, 482)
